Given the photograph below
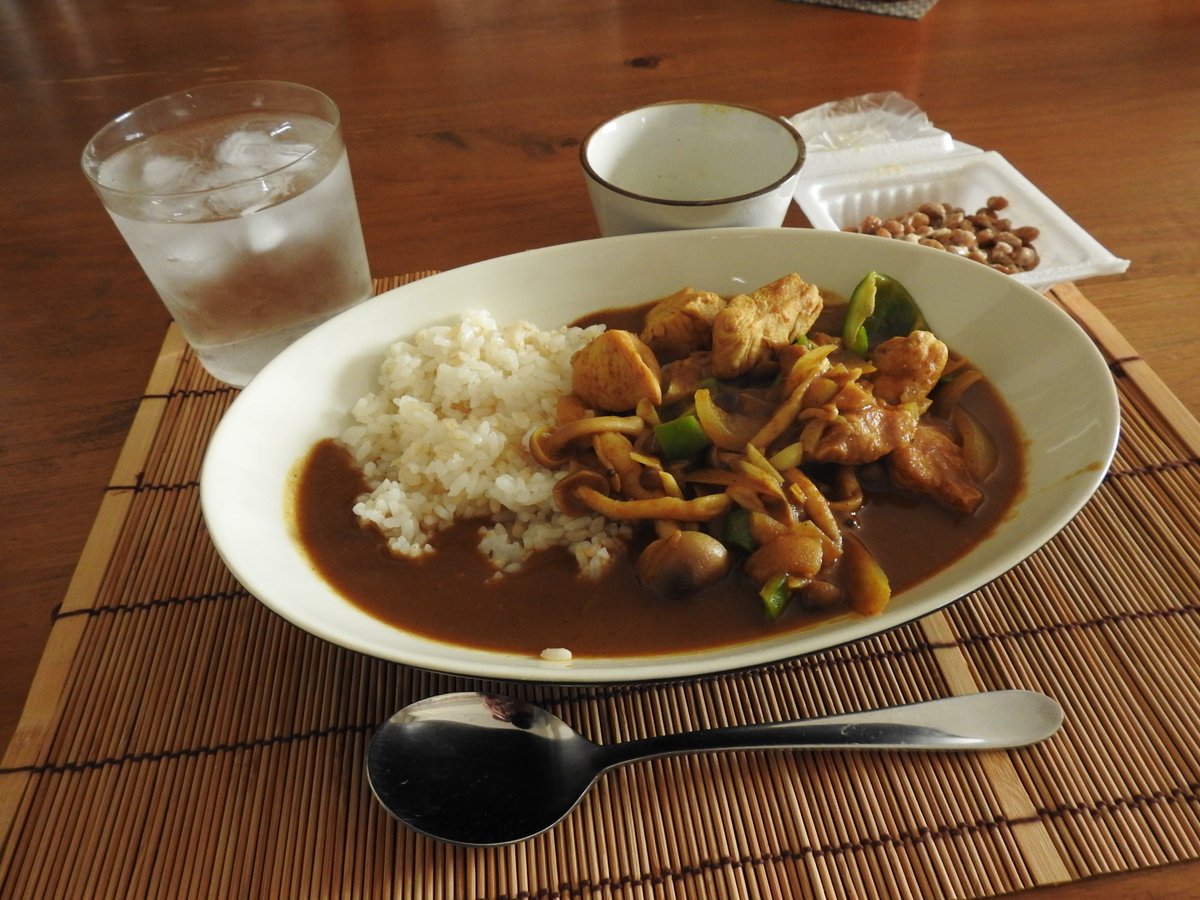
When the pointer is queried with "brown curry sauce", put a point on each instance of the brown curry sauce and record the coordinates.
(452, 596)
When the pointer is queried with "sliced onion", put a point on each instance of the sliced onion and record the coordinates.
(726, 431)
(789, 457)
(950, 392)
(979, 449)
(866, 583)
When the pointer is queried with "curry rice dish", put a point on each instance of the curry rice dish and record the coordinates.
(694, 472)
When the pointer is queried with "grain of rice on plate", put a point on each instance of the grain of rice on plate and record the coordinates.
(443, 437)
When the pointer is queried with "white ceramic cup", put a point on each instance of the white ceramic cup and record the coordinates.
(691, 164)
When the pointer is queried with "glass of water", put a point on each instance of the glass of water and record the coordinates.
(237, 201)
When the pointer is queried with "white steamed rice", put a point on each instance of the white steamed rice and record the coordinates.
(444, 438)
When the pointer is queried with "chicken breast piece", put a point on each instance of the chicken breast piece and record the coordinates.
(931, 463)
(615, 371)
(908, 368)
(864, 429)
(681, 323)
(752, 325)
(681, 377)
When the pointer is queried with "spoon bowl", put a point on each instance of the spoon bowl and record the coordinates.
(485, 770)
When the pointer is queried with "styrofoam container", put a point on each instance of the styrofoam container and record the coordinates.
(905, 162)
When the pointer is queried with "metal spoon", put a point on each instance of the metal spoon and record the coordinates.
(485, 770)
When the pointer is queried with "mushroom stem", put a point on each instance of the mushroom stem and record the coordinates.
(701, 509)
(546, 444)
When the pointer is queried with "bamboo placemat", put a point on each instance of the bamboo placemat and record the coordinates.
(180, 740)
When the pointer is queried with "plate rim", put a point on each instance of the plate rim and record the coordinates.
(493, 665)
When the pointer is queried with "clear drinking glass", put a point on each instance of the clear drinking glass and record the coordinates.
(237, 201)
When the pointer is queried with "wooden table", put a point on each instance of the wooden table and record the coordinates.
(463, 121)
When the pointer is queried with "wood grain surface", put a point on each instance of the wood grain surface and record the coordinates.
(463, 120)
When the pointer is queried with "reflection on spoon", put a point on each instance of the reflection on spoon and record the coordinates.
(484, 770)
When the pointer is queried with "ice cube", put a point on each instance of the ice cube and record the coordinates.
(265, 233)
(258, 151)
(241, 199)
(167, 174)
(143, 172)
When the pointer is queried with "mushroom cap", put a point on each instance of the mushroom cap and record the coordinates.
(683, 563)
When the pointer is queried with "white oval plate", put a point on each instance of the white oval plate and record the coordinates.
(1046, 367)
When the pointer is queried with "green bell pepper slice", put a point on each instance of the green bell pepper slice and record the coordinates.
(880, 308)
(681, 438)
(775, 595)
(736, 532)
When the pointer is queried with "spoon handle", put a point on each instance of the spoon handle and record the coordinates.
(989, 720)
